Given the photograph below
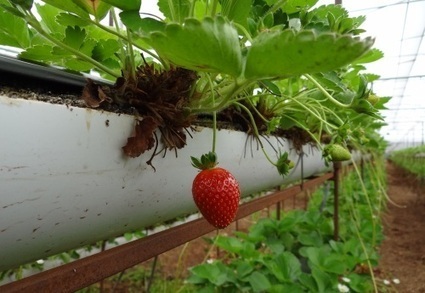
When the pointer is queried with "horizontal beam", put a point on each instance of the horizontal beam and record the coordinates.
(89, 270)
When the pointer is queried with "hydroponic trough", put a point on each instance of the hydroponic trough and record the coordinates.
(65, 181)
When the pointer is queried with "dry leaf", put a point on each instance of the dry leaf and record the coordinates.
(143, 139)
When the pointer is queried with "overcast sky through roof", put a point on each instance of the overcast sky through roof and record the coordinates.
(399, 27)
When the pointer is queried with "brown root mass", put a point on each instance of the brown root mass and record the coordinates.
(158, 97)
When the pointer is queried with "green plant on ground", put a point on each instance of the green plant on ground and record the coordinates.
(411, 159)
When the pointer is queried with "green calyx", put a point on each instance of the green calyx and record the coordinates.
(283, 164)
(207, 161)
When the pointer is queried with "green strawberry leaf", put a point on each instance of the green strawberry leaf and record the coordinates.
(74, 37)
(105, 49)
(236, 10)
(39, 53)
(13, 30)
(67, 19)
(259, 282)
(125, 5)
(371, 56)
(98, 8)
(26, 4)
(143, 26)
(176, 10)
(294, 6)
(209, 45)
(48, 14)
(287, 53)
(78, 65)
(68, 6)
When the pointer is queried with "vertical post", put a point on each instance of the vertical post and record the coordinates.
(337, 169)
(278, 206)
(302, 174)
(338, 2)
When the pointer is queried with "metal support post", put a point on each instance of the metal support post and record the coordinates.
(337, 169)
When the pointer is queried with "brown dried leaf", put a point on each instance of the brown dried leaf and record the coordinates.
(143, 139)
(93, 95)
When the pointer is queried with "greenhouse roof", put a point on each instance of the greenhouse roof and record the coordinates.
(399, 28)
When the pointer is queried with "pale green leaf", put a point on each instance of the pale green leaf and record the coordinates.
(278, 54)
(237, 10)
(48, 14)
(67, 19)
(39, 53)
(177, 11)
(371, 56)
(78, 65)
(293, 6)
(13, 30)
(209, 45)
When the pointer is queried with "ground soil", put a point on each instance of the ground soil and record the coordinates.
(403, 250)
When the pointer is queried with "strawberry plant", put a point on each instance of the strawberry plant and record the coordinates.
(280, 68)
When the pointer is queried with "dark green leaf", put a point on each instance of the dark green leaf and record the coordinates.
(237, 10)
(74, 37)
(259, 282)
(68, 6)
(285, 267)
(211, 45)
(144, 26)
(125, 5)
(105, 49)
(26, 4)
(286, 53)
(312, 238)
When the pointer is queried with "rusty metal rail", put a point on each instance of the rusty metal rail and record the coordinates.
(89, 270)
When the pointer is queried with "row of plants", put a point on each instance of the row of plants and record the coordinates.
(268, 67)
(411, 159)
(271, 67)
(299, 253)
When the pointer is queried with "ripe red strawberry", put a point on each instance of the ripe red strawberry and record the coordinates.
(215, 192)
